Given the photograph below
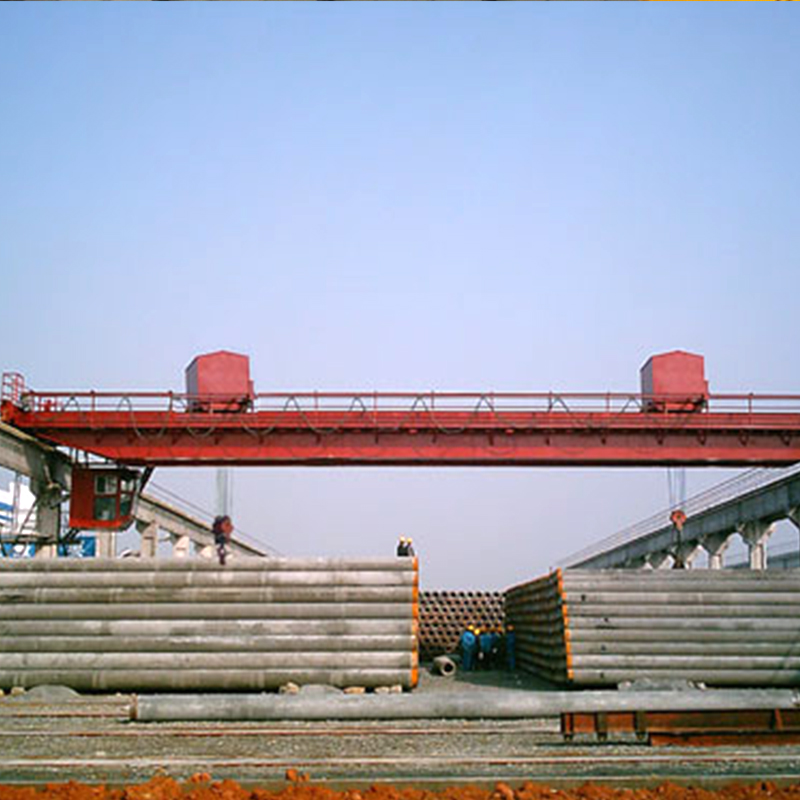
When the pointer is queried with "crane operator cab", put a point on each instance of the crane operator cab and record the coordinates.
(102, 498)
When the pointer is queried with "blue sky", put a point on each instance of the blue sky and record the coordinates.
(477, 196)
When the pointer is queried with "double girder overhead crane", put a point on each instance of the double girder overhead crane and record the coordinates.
(220, 420)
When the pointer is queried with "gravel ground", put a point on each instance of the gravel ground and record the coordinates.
(51, 735)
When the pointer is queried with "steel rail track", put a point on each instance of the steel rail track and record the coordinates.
(563, 765)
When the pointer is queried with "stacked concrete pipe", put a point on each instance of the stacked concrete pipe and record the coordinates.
(605, 627)
(191, 625)
(444, 615)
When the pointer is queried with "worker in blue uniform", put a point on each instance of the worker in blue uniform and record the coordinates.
(496, 650)
(468, 645)
(485, 649)
(511, 647)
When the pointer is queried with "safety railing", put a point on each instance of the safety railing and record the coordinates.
(13, 387)
(365, 403)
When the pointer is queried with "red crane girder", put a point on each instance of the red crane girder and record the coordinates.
(431, 429)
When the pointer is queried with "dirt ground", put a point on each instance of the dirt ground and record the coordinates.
(58, 745)
(200, 787)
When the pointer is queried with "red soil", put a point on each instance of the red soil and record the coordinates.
(201, 787)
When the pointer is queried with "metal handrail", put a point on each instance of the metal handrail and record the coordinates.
(419, 403)
(13, 387)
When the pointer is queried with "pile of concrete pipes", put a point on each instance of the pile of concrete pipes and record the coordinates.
(605, 627)
(191, 625)
(538, 613)
(445, 615)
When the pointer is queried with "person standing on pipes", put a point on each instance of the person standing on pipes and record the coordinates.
(405, 548)
(222, 528)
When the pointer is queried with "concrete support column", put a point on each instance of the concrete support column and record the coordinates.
(181, 546)
(688, 553)
(794, 516)
(660, 560)
(48, 517)
(756, 534)
(206, 551)
(148, 546)
(106, 544)
(48, 511)
(715, 546)
(636, 563)
(45, 550)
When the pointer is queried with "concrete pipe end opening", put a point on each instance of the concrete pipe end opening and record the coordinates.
(442, 665)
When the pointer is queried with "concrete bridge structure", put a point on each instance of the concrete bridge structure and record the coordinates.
(750, 506)
(49, 472)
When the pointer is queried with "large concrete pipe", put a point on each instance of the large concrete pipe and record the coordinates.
(256, 661)
(210, 594)
(209, 644)
(184, 566)
(442, 665)
(209, 611)
(488, 704)
(734, 676)
(204, 680)
(173, 579)
(125, 628)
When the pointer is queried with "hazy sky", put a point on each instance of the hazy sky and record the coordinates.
(470, 196)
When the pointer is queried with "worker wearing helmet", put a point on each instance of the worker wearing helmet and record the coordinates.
(468, 645)
(511, 645)
(405, 547)
(496, 647)
(485, 648)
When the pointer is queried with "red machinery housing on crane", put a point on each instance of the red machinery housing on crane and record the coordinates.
(219, 382)
(674, 382)
(672, 421)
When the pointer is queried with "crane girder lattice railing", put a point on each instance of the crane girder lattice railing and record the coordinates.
(404, 428)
